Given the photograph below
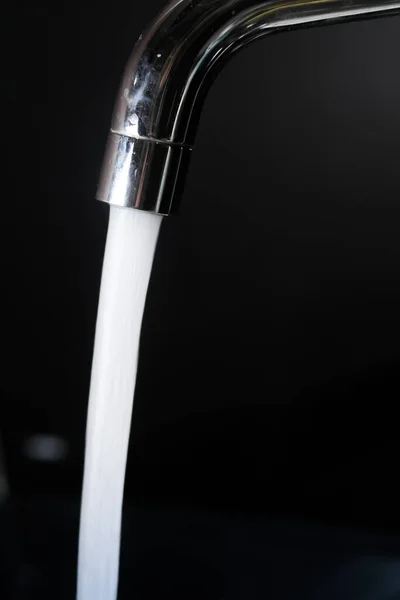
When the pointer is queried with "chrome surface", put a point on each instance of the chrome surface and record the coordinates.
(167, 78)
(142, 173)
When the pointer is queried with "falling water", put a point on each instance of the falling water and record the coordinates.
(131, 241)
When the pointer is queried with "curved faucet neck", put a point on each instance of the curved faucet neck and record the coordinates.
(167, 78)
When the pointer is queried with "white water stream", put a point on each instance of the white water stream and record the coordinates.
(131, 242)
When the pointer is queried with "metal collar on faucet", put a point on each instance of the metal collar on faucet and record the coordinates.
(168, 76)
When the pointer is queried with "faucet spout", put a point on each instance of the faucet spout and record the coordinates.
(168, 76)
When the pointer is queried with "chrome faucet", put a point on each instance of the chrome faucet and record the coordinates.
(168, 76)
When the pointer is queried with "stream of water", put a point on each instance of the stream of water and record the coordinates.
(131, 242)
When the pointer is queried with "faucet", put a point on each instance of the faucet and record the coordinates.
(168, 76)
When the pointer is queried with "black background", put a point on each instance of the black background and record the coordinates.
(268, 379)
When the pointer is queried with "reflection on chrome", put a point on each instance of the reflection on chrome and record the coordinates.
(167, 78)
